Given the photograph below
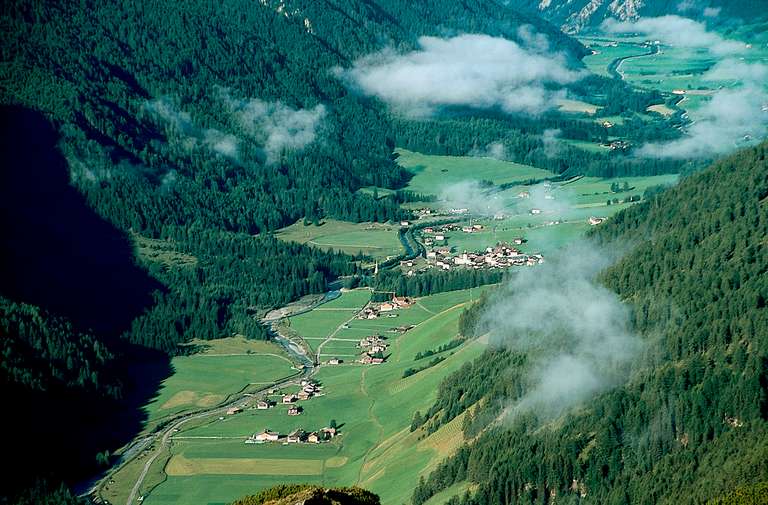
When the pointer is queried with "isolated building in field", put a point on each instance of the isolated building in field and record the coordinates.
(267, 436)
(294, 411)
(334, 361)
(233, 410)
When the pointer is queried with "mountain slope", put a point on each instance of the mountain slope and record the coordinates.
(691, 424)
(577, 15)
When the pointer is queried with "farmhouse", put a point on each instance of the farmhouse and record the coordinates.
(331, 432)
(387, 307)
(233, 410)
(289, 398)
(334, 361)
(535, 211)
(368, 313)
(266, 436)
(294, 411)
(313, 438)
(263, 404)
(304, 395)
(402, 302)
(296, 436)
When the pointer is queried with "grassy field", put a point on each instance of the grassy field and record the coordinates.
(431, 173)
(225, 367)
(373, 406)
(318, 324)
(378, 240)
(674, 68)
(607, 50)
(576, 106)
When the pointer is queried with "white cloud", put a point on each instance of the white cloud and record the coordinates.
(275, 125)
(576, 332)
(734, 117)
(676, 31)
(192, 136)
(468, 70)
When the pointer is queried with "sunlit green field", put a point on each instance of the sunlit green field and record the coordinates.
(373, 406)
(209, 378)
(378, 240)
(432, 173)
(320, 323)
(605, 53)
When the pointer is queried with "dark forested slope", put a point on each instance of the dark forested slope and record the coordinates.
(692, 422)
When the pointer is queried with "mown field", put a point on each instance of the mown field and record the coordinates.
(372, 405)
(208, 378)
(378, 240)
(433, 173)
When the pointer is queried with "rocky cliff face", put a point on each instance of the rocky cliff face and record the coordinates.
(574, 16)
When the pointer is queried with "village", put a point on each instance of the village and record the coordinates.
(307, 389)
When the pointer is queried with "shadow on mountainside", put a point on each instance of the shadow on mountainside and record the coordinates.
(58, 254)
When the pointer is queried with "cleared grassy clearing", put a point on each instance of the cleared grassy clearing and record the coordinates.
(446, 494)
(378, 240)
(431, 173)
(225, 367)
(575, 106)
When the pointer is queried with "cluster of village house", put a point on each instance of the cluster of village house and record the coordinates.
(385, 309)
(503, 255)
(374, 347)
(308, 389)
(296, 436)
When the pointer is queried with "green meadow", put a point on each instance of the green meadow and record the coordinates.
(225, 367)
(563, 218)
(432, 173)
(316, 325)
(607, 50)
(373, 406)
(378, 240)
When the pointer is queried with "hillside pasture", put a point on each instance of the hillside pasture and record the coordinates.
(225, 367)
(378, 240)
(433, 173)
